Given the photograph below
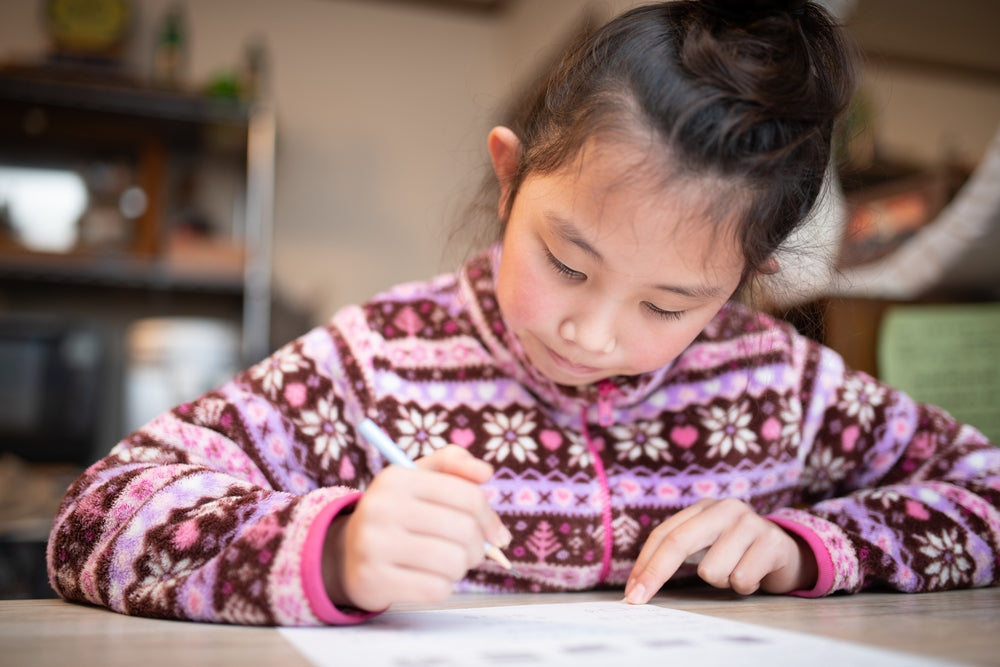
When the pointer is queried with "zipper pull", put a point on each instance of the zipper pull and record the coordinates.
(606, 391)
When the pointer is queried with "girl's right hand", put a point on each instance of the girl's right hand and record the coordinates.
(413, 534)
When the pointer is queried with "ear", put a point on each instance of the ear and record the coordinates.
(768, 267)
(505, 153)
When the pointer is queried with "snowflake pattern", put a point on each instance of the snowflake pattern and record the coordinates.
(860, 397)
(579, 453)
(948, 558)
(209, 411)
(640, 438)
(791, 422)
(232, 551)
(164, 575)
(327, 430)
(886, 497)
(421, 433)
(271, 372)
(510, 436)
(824, 471)
(728, 428)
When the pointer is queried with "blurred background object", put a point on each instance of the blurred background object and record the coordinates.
(259, 164)
(174, 359)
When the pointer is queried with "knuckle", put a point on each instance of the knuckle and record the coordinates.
(436, 589)
(473, 499)
(749, 517)
(459, 561)
(452, 456)
(743, 582)
(734, 506)
(449, 453)
(713, 576)
(451, 561)
(673, 542)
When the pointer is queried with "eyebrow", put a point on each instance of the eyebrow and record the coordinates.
(568, 232)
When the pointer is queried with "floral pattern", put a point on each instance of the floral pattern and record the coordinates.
(825, 470)
(510, 436)
(579, 454)
(641, 438)
(214, 511)
(791, 422)
(327, 431)
(272, 371)
(421, 433)
(728, 428)
(860, 398)
(949, 560)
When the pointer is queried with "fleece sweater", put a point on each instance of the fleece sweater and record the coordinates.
(217, 510)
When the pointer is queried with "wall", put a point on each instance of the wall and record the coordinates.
(382, 118)
(384, 108)
(932, 74)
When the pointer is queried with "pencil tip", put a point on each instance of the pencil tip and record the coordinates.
(494, 552)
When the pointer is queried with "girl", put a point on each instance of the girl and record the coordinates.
(612, 410)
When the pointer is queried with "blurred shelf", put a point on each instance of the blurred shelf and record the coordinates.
(65, 116)
(80, 89)
(119, 272)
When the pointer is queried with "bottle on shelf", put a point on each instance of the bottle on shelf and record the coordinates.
(169, 56)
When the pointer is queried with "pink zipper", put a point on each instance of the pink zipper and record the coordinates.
(605, 416)
(606, 391)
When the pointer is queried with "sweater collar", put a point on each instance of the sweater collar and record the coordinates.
(479, 285)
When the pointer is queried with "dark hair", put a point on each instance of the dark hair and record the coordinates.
(746, 91)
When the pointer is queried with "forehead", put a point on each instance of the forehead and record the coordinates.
(626, 193)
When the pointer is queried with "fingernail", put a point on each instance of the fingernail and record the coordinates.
(637, 595)
(505, 537)
(628, 586)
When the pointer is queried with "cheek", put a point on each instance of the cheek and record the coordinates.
(657, 345)
(521, 303)
(652, 351)
(524, 302)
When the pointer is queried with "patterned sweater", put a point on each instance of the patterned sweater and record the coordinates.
(217, 510)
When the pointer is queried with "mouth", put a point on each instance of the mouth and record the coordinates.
(570, 366)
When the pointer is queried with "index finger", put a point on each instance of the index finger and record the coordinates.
(673, 543)
(456, 485)
(457, 461)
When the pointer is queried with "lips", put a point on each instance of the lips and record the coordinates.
(568, 366)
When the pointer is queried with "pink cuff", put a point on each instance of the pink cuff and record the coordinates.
(312, 567)
(824, 562)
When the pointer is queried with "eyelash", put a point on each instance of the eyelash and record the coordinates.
(562, 269)
(663, 314)
(573, 274)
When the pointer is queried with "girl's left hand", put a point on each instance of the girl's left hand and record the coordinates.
(746, 552)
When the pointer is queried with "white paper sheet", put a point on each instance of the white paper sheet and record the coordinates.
(576, 634)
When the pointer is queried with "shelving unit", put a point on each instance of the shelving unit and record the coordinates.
(158, 127)
(65, 119)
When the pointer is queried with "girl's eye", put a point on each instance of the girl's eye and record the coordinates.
(562, 269)
(665, 314)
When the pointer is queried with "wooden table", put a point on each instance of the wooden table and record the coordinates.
(962, 627)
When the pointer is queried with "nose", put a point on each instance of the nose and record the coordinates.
(592, 331)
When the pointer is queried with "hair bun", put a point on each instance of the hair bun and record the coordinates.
(747, 11)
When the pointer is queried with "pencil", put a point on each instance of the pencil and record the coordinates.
(391, 451)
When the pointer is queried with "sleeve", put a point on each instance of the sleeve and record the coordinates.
(217, 510)
(895, 493)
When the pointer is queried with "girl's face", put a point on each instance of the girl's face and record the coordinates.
(606, 272)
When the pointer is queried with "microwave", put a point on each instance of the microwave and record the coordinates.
(52, 388)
